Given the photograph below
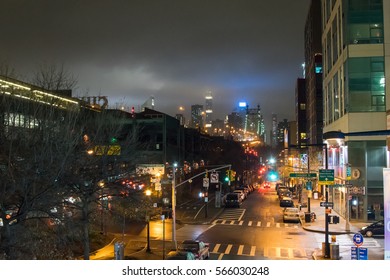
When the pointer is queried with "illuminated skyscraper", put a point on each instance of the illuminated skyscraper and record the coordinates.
(197, 116)
(208, 109)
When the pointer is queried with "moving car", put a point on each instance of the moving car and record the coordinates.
(291, 214)
(374, 229)
(180, 255)
(199, 248)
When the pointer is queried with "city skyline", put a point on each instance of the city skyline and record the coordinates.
(174, 51)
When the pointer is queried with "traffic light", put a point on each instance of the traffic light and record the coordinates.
(232, 176)
(113, 140)
(272, 176)
(227, 177)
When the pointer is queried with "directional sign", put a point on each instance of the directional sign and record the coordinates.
(326, 204)
(206, 182)
(214, 177)
(326, 177)
(303, 175)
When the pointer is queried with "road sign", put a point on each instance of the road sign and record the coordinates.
(358, 239)
(303, 175)
(214, 177)
(359, 253)
(349, 172)
(326, 204)
(326, 177)
(206, 183)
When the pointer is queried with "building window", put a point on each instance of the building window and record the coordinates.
(366, 84)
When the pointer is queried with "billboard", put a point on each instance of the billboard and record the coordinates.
(152, 169)
(386, 192)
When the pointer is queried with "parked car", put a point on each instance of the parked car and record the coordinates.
(280, 188)
(286, 202)
(284, 193)
(291, 214)
(241, 194)
(180, 255)
(232, 200)
(244, 189)
(374, 229)
(199, 248)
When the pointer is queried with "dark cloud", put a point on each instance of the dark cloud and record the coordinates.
(175, 50)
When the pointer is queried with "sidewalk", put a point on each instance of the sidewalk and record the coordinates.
(333, 231)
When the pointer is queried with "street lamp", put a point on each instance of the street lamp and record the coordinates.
(174, 205)
(148, 193)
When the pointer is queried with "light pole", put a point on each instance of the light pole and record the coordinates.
(174, 205)
(148, 194)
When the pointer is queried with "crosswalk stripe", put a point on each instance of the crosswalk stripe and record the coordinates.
(277, 224)
(249, 223)
(258, 224)
(240, 249)
(229, 247)
(216, 248)
(253, 250)
(268, 224)
(241, 222)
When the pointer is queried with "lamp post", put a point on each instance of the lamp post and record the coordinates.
(148, 194)
(174, 205)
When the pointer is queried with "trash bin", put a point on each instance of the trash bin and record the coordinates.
(334, 251)
(307, 217)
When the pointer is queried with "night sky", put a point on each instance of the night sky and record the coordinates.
(174, 50)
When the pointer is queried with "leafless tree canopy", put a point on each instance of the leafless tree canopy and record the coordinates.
(54, 77)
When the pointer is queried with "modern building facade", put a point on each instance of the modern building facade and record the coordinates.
(355, 58)
(313, 74)
(300, 111)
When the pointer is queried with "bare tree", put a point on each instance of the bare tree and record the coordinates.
(54, 77)
(50, 184)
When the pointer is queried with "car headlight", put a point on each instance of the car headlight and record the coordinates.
(363, 228)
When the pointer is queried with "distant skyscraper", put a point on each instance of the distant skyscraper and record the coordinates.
(197, 116)
(148, 104)
(254, 122)
(181, 118)
(208, 109)
(282, 128)
(274, 131)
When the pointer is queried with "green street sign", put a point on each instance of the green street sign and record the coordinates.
(303, 175)
(326, 177)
